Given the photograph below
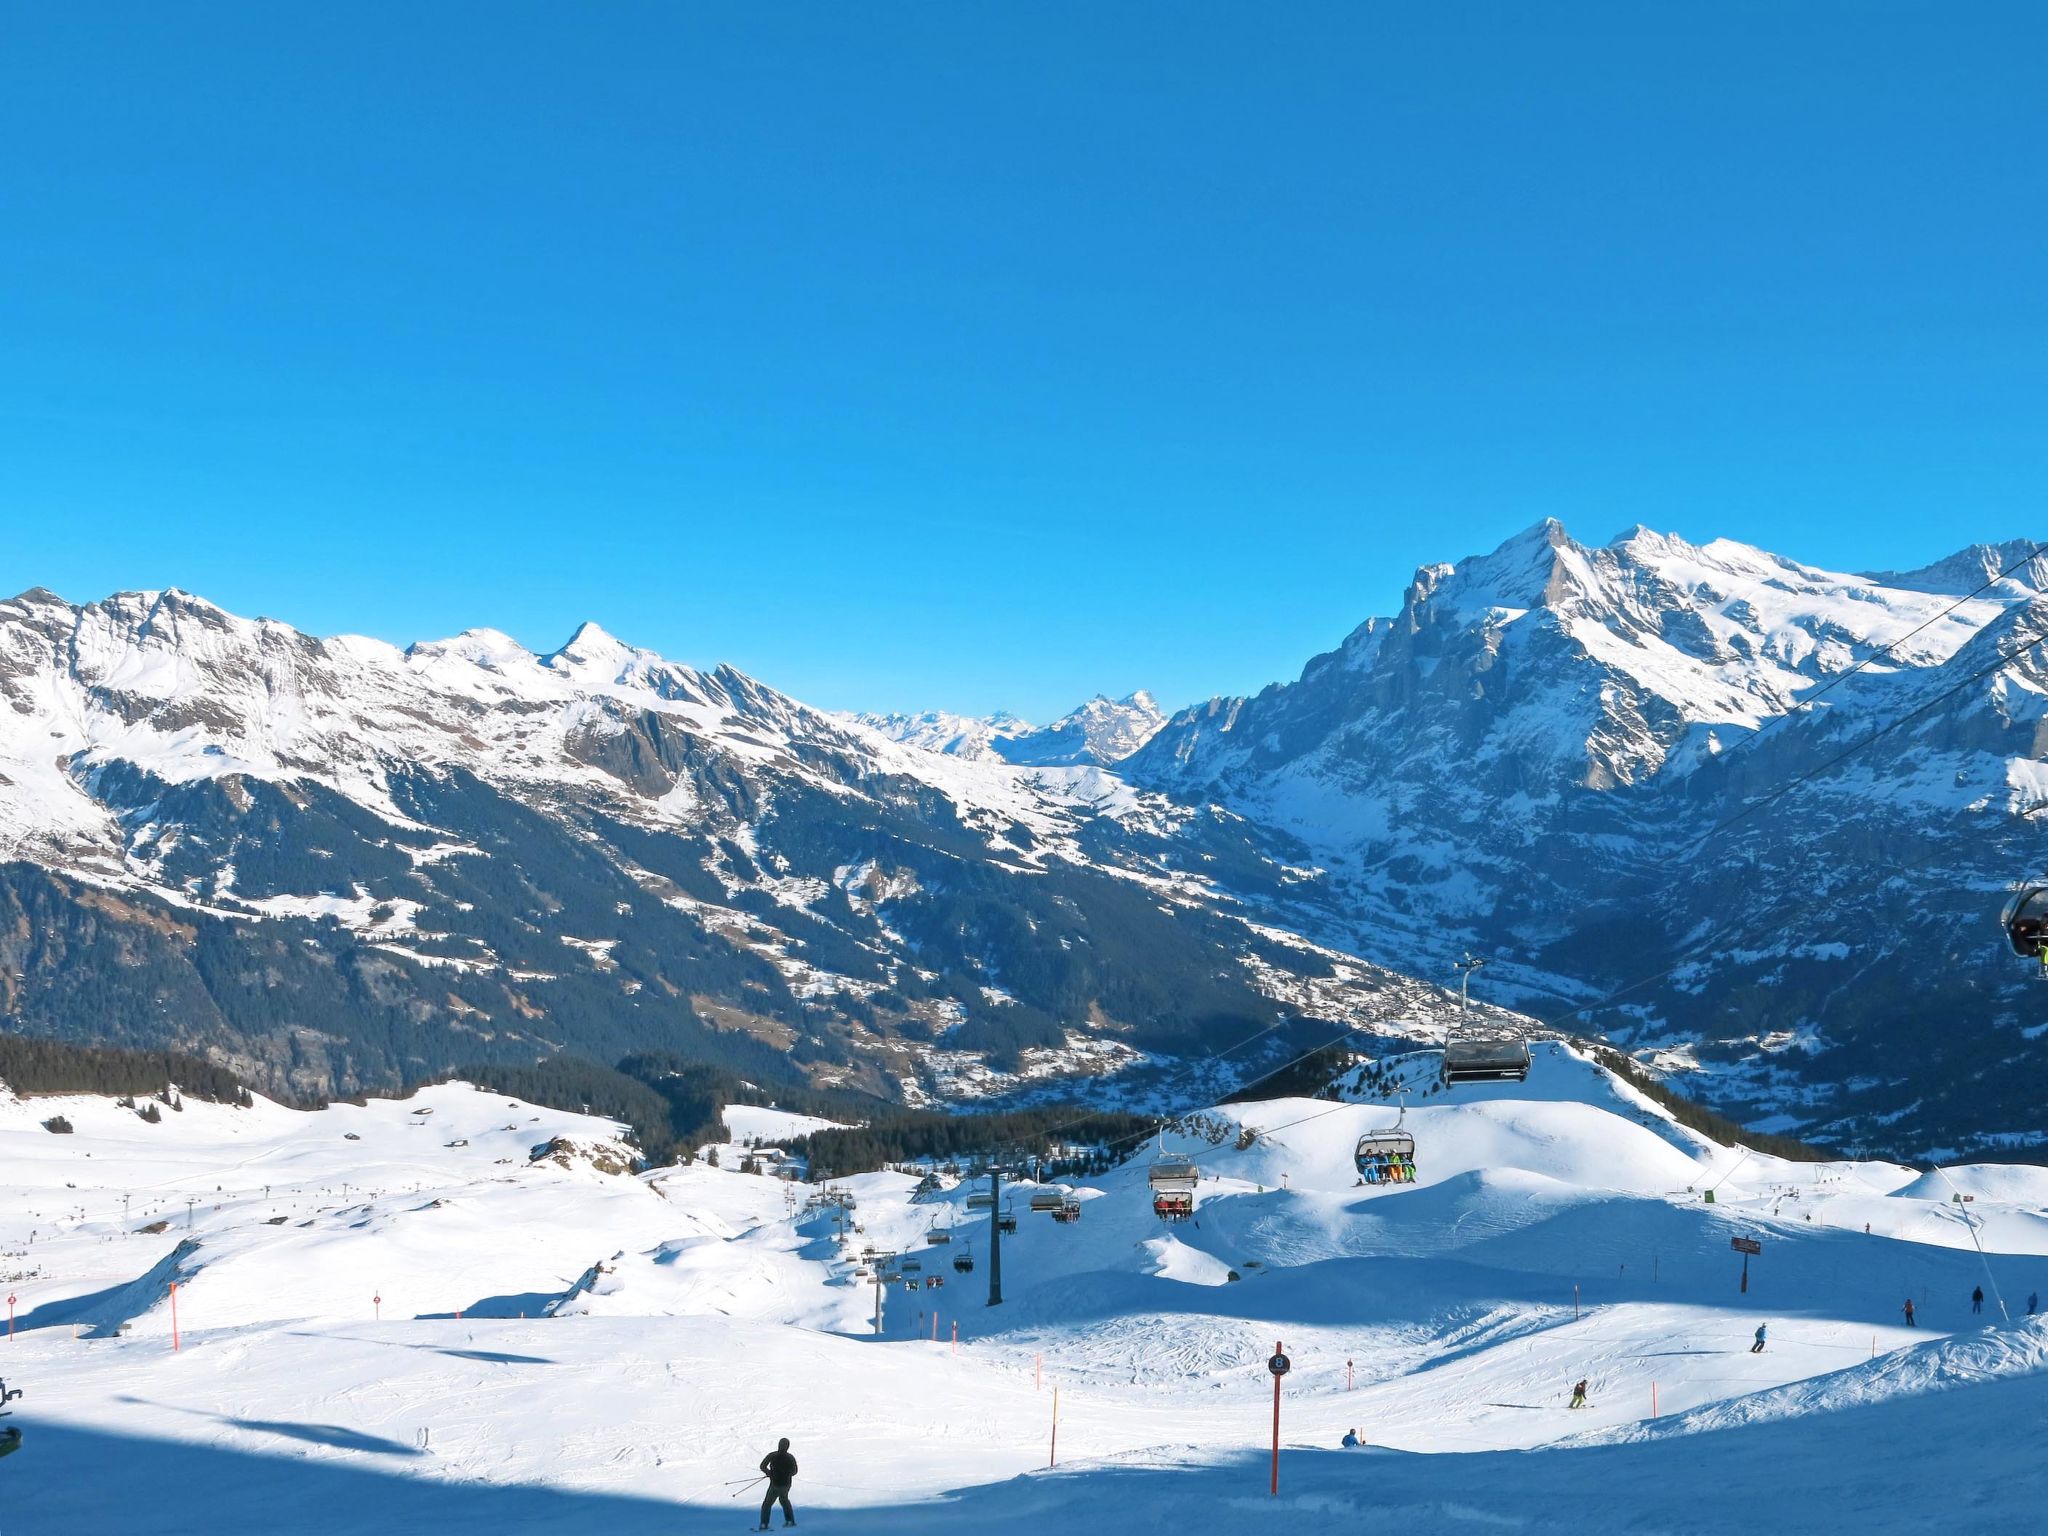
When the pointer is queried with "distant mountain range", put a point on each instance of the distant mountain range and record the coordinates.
(1750, 818)
(1102, 731)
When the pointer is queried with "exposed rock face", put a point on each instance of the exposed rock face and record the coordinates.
(335, 864)
(1579, 762)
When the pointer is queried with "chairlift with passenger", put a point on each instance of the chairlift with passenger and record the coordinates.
(1174, 1181)
(1388, 1156)
(963, 1262)
(2025, 920)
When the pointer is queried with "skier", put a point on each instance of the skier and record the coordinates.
(1350, 1439)
(1977, 1299)
(780, 1468)
(1758, 1347)
(1579, 1394)
(1909, 1313)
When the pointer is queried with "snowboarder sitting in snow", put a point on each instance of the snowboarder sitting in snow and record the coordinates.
(780, 1468)
(1579, 1394)
(1758, 1347)
(1350, 1439)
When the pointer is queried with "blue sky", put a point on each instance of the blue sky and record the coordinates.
(983, 356)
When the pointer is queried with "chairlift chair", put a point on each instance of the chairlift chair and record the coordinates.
(1069, 1211)
(981, 1200)
(2025, 920)
(1386, 1157)
(963, 1262)
(1485, 1061)
(1173, 1181)
(1007, 1222)
(1046, 1200)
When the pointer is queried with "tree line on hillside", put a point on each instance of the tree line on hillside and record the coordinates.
(1074, 1138)
(32, 1066)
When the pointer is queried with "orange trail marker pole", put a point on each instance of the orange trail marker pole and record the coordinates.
(956, 1337)
(1053, 1457)
(174, 1318)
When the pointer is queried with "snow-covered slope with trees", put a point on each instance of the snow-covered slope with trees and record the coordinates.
(459, 1313)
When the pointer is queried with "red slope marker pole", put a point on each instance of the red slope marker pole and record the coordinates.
(10, 1315)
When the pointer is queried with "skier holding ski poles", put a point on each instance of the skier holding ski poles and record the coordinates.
(780, 1469)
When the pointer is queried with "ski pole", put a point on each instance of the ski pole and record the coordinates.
(738, 1491)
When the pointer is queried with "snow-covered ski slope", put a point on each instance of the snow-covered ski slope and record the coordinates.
(676, 1323)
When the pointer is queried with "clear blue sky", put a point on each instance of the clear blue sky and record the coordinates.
(979, 355)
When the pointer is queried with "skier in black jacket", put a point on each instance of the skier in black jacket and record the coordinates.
(780, 1468)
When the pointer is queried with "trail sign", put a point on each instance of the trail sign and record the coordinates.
(1745, 1245)
(1279, 1365)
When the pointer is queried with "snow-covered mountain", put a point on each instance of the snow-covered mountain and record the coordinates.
(1750, 817)
(1642, 766)
(342, 863)
(1103, 731)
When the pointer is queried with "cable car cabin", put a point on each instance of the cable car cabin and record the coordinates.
(1173, 1205)
(2025, 920)
(1385, 1157)
(1069, 1211)
(1485, 1061)
(963, 1263)
(1047, 1200)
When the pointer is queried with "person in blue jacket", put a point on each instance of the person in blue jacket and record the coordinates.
(1758, 1347)
(1350, 1439)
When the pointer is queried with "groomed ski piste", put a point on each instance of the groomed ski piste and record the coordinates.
(395, 1317)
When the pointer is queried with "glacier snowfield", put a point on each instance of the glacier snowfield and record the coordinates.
(353, 1357)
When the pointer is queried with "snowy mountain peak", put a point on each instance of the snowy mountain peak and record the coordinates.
(1100, 732)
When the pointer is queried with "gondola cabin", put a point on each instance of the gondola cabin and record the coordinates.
(2025, 920)
(1485, 1061)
